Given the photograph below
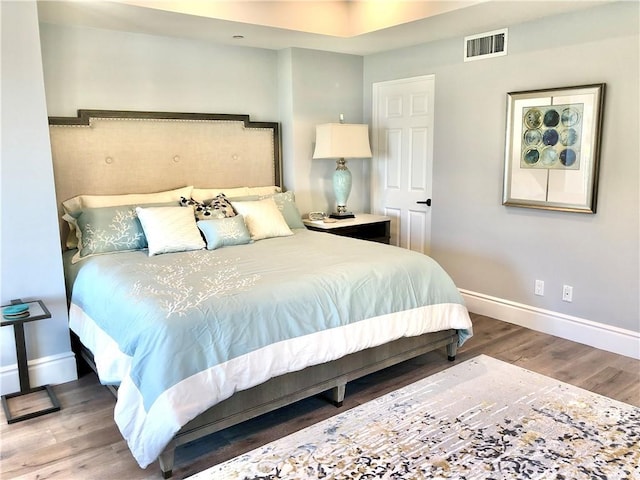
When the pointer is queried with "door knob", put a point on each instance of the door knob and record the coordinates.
(426, 202)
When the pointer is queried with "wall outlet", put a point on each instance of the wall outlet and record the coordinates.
(567, 293)
(539, 289)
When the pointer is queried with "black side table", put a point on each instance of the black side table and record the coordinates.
(364, 226)
(38, 311)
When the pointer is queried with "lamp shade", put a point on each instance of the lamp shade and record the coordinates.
(342, 140)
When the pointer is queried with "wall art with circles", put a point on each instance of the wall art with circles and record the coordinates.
(553, 148)
(551, 137)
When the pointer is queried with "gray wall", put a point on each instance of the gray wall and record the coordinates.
(29, 242)
(500, 251)
(113, 70)
(319, 87)
(93, 68)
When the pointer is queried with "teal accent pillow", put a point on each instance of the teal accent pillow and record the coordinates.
(108, 230)
(224, 232)
(285, 202)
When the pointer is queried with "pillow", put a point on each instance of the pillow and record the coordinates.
(205, 195)
(268, 190)
(222, 207)
(219, 207)
(106, 230)
(170, 229)
(225, 232)
(80, 202)
(263, 218)
(286, 204)
(202, 211)
(95, 201)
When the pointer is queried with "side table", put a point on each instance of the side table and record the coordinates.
(38, 311)
(364, 226)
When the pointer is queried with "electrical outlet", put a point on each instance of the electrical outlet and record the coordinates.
(539, 290)
(567, 293)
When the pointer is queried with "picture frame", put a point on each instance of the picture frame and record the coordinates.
(552, 151)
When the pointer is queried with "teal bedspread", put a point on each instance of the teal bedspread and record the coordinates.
(189, 329)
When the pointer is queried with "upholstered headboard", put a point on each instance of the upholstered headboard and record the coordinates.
(106, 152)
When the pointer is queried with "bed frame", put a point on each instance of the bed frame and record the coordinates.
(115, 152)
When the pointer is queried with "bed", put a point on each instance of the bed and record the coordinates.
(197, 293)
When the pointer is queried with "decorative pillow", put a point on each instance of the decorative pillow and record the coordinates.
(263, 218)
(106, 230)
(225, 232)
(221, 207)
(202, 211)
(170, 229)
(205, 195)
(81, 202)
(286, 204)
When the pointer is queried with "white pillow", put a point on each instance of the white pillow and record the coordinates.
(170, 229)
(263, 218)
(80, 202)
(207, 194)
(268, 190)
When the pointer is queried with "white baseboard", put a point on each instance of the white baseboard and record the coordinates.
(51, 370)
(598, 335)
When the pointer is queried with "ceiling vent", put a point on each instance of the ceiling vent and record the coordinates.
(485, 45)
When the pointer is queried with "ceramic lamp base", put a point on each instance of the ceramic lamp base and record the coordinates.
(341, 189)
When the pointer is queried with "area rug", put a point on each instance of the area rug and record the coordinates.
(480, 419)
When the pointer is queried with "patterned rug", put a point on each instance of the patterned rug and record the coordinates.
(480, 419)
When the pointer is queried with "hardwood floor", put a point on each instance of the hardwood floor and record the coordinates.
(81, 442)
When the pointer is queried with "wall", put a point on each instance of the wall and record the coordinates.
(31, 262)
(102, 69)
(496, 252)
(317, 88)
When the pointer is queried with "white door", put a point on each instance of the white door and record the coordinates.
(403, 158)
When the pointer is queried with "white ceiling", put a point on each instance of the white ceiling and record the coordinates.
(359, 27)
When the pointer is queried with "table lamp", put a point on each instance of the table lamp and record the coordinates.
(342, 141)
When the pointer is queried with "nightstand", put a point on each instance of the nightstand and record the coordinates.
(37, 311)
(365, 226)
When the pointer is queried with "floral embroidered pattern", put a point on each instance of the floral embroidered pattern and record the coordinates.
(108, 229)
(232, 230)
(225, 232)
(174, 287)
(120, 234)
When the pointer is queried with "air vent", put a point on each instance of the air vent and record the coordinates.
(485, 45)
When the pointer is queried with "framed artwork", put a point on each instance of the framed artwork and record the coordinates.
(552, 148)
